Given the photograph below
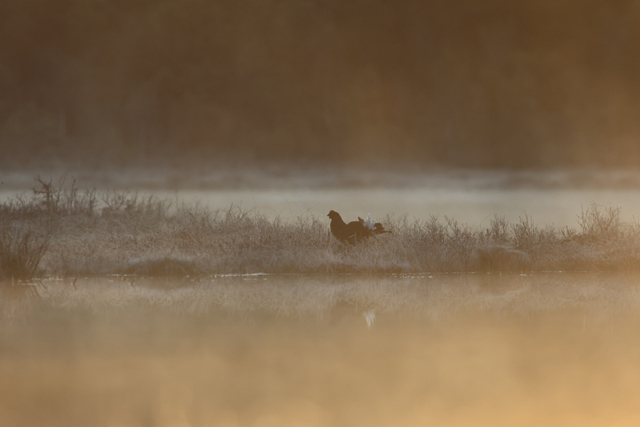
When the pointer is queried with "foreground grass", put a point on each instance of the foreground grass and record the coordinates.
(60, 230)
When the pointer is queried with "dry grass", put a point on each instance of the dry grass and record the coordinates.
(68, 232)
(21, 249)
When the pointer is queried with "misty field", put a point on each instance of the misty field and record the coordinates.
(60, 230)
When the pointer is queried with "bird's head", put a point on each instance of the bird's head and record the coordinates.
(333, 214)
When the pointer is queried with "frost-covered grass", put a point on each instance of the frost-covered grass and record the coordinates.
(62, 231)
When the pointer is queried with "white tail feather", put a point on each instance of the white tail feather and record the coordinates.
(369, 223)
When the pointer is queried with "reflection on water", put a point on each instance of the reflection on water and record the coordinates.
(481, 350)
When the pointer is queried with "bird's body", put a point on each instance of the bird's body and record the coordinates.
(355, 231)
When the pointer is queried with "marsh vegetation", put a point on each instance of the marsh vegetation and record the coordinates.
(61, 230)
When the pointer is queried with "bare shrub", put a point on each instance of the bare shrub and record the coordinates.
(21, 249)
(599, 223)
(61, 199)
(498, 231)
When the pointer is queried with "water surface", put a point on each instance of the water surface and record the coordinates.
(448, 350)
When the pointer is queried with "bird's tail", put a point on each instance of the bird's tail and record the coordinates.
(369, 223)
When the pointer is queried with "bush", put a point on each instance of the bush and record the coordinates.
(21, 249)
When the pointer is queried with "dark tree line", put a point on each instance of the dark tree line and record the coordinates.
(535, 83)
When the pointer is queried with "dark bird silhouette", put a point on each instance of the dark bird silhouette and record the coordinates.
(355, 231)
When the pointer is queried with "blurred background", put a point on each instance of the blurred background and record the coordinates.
(492, 84)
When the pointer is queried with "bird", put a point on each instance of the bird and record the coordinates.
(355, 231)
